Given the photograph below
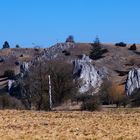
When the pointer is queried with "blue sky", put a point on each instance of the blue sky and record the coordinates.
(45, 22)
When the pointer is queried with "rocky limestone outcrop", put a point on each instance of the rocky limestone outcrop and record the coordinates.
(133, 81)
(24, 68)
(88, 75)
(56, 50)
(10, 84)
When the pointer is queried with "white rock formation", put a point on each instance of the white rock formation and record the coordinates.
(87, 75)
(133, 81)
(10, 84)
(24, 68)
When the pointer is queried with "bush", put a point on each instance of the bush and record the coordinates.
(121, 44)
(91, 104)
(133, 47)
(8, 102)
(17, 46)
(125, 101)
(135, 98)
(70, 39)
(9, 73)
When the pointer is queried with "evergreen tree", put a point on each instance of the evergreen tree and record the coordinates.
(96, 51)
(6, 45)
(70, 39)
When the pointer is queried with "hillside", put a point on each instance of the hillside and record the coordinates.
(118, 60)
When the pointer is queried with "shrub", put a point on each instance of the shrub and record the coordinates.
(9, 73)
(125, 101)
(133, 47)
(135, 98)
(121, 44)
(8, 102)
(17, 46)
(91, 104)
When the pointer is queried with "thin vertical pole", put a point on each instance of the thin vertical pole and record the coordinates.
(50, 92)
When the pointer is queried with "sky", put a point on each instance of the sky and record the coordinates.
(46, 22)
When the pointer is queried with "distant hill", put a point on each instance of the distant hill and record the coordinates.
(118, 60)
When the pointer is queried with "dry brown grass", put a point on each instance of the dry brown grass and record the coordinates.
(105, 125)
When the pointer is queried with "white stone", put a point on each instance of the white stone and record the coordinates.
(10, 83)
(133, 81)
(87, 74)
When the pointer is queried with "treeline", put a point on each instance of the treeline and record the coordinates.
(32, 91)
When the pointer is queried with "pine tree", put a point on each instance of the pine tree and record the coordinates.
(70, 39)
(6, 45)
(96, 51)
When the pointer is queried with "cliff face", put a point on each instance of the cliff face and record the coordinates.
(133, 81)
(87, 74)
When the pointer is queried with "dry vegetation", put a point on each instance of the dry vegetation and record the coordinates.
(105, 125)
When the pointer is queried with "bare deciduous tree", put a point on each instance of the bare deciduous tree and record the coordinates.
(35, 87)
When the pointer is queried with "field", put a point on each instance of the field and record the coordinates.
(105, 125)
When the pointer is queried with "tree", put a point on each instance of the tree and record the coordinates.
(117, 94)
(96, 50)
(63, 86)
(34, 88)
(111, 93)
(35, 92)
(70, 39)
(104, 92)
(6, 45)
(17, 46)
